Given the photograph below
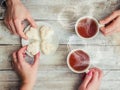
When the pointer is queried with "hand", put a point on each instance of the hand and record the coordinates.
(15, 14)
(92, 80)
(112, 23)
(26, 71)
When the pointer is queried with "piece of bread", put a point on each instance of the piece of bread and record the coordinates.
(33, 48)
(32, 33)
(46, 33)
(47, 48)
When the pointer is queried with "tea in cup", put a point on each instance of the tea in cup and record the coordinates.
(78, 61)
(87, 27)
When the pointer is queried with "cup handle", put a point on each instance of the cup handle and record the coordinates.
(91, 66)
(101, 25)
(87, 71)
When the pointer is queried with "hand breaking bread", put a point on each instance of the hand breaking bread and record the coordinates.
(41, 39)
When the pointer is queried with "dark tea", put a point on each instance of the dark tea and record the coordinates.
(87, 27)
(79, 60)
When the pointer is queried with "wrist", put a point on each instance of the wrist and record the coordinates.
(31, 84)
(26, 86)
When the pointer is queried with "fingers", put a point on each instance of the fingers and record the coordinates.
(111, 17)
(19, 28)
(8, 26)
(14, 63)
(12, 26)
(100, 73)
(32, 22)
(87, 79)
(21, 54)
(14, 57)
(18, 58)
(110, 28)
(97, 75)
(16, 27)
(36, 60)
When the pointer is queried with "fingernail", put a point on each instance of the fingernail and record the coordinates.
(38, 53)
(26, 38)
(89, 73)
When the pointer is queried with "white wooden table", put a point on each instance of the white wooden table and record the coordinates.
(53, 71)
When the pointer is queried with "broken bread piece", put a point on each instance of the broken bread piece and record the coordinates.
(33, 48)
(32, 33)
(46, 33)
(47, 48)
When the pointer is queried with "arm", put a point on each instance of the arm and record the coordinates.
(15, 14)
(26, 71)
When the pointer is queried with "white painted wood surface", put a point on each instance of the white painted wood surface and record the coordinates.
(53, 72)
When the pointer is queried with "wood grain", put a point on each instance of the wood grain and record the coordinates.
(50, 10)
(65, 35)
(105, 57)
(53, 80)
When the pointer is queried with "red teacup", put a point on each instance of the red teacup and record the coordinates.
(78, 61)
(87, 27)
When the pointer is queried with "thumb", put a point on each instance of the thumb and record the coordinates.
(36, 60)
(87, 79)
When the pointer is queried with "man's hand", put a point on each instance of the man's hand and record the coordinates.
(92, 80)
(16, 13)
(112, 23)
(26, 71)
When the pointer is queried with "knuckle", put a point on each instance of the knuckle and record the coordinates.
(9, 21)
(15, 19)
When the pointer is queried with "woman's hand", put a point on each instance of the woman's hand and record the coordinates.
(15, 14)
(92, 80)
(26, 71)
(112, 23)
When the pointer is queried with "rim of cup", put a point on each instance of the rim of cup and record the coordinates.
(75, 71)
(81, 18)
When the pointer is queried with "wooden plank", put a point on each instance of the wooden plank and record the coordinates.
(50, 10)
(57, 74)
(66, 36)
(53, 80)
(6, 37)
(106, 57)
(59, 85)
